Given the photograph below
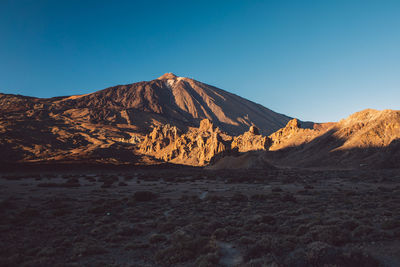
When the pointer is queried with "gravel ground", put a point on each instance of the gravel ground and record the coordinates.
(194, 217)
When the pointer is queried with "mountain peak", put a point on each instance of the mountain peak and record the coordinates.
(168, 75)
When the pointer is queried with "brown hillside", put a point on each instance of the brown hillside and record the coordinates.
(369, 138)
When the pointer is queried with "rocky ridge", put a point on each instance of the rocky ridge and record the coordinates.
(366, 139)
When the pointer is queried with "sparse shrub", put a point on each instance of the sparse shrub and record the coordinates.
(362, 231)
(307, 186)
(244, 240)
(390, 224)
(330, 234)
(349, 225)
(259, 249)
(69, 183)
(239, 197)
(88, 249)
(208, 260)
(288, 197)
(122, 184)
(220, 233)
(29, 213)
(144, 196)
(214, 198)
(259, 197)
(185, 247)
(157, 238)
(276, 189)
(322, 254)
(136, 245)
(166, 227)
(304, 192)
(301, 230)
(268, 219)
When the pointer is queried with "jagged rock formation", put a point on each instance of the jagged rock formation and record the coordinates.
(250, 140)
(196, 147)
(159, 138)
(199, 146)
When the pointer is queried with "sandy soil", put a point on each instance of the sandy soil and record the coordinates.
(196, 217)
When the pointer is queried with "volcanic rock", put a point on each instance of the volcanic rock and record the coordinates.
(250, 140)
(199, 146)
(293, 135)
(196, 147)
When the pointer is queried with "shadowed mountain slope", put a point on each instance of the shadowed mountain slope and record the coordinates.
(369, 138)
(179, 101)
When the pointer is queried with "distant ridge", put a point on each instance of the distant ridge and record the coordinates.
(367, 139)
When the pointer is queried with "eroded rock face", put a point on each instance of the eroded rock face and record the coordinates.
(200, 145)
(250, 140)
(196, 147)
(293, 135)
(292, 127)
(159, 138)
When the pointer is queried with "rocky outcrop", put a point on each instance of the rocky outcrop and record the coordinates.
(159, 138)
(250, 140)
(291, 128)
(199, 146)
(196, 147)
(293, 135)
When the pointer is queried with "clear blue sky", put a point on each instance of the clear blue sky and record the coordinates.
(314, 60)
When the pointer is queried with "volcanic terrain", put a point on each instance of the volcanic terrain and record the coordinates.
(104, 126)
(174, 172)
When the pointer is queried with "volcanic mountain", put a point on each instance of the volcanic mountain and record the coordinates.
(178, 101)
(88, 126)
